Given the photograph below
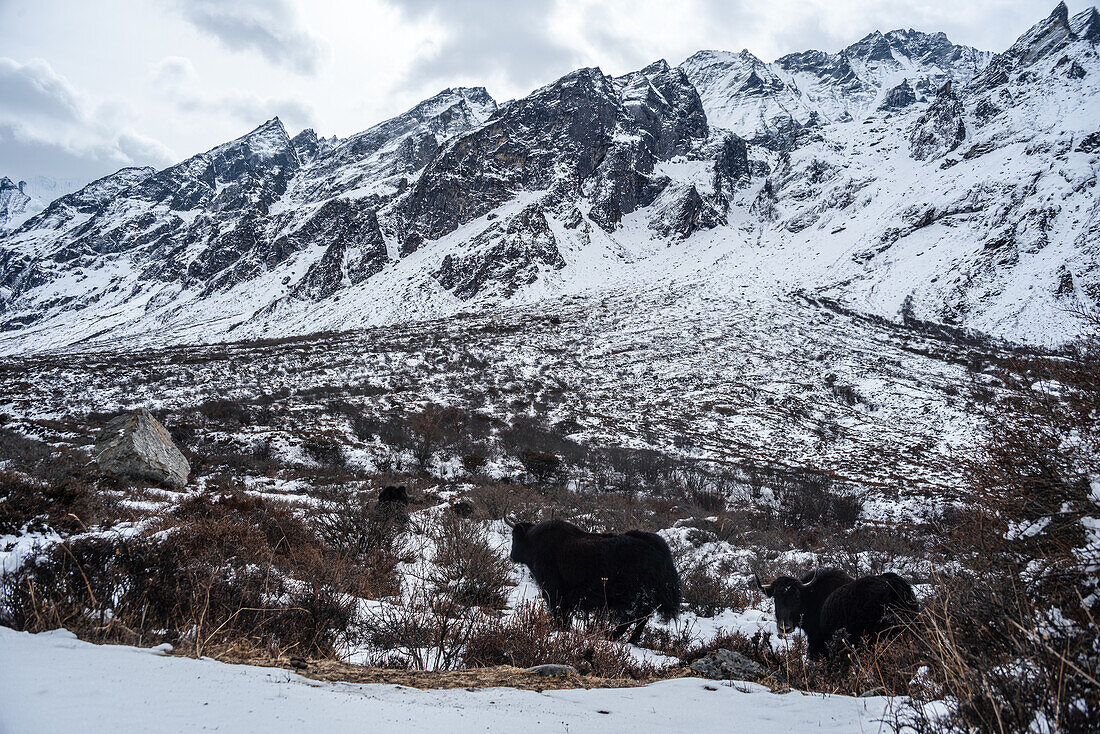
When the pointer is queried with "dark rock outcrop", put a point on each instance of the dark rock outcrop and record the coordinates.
(940, 129)
(136, 446)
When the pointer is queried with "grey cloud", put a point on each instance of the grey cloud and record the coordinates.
(46, 128)
(33, 90)
(487, 38)
(177, 77)
(26, 156)
(269, 27)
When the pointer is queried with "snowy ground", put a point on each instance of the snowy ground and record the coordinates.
(53, 682)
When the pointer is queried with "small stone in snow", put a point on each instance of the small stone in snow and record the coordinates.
(551, 670)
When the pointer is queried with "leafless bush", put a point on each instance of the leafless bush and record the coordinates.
(708, 591)
(425, 632)
(432, 427)
(350, 524)
(494, 501)
(810, 500)
(531, 637)
(209, 583)
(473, 463)
(328, 453)
(50, 487)
(1012, 643)
(541, 466)
(467, 568)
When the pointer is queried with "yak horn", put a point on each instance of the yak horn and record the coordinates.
(813, 578)
(509, 521)
(759, 583)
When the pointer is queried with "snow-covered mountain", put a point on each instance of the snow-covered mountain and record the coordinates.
(14, 202)
(904, 175)
(766, 103)
(21, 200)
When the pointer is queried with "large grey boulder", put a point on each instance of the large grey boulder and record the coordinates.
(136, 446)
(728, 665)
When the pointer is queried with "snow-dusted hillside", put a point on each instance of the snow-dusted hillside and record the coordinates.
(904, 175)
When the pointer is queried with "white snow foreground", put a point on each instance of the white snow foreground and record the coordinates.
(52, 682)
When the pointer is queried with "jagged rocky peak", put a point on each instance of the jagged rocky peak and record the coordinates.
(562, 129)
(872, 47)
(666, 107)
(1049, 36)
(251, 170)
(266, 146)
(452, 111)
(741, 93)
(13, 202)
(306, 145)
(740, 72)
(90, 199)
(1086, 25)
(769, 103)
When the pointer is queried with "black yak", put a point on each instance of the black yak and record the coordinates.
(394, 494)
(827, 602)
(629, 576)
(392, 509)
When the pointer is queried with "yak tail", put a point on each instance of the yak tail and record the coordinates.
(670, 595)
(669, 592)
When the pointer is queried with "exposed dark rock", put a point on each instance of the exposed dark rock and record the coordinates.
(899, 97)
(940, 129)
(136, 446)
(507, 256)
(1090, 143)
(357, 250)
(728, 665)
(685, 213)
(567, 125)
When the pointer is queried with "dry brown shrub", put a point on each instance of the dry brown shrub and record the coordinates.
(467, 568)
(531, 637)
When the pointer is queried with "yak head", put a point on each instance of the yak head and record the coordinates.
(394, 494)
(791, 601)
(521, 544)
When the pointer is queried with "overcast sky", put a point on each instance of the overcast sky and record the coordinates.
(89, 86)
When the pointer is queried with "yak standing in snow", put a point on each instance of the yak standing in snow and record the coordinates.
(828, 602)
(630, 576)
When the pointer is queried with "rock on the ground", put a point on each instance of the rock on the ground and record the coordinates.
(728, 665)
(551, 670)
(135, 445)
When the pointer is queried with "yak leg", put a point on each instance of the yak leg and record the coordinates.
(620, 629)
(563, 613)
(637, 633)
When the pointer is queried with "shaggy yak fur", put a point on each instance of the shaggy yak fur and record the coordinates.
(630, 576)
(394, 494)
(829, 602)
(393, 507)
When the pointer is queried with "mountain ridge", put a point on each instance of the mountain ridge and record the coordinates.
(845, 163)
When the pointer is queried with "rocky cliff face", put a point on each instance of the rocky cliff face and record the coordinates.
(901, 170)
(14, 202)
